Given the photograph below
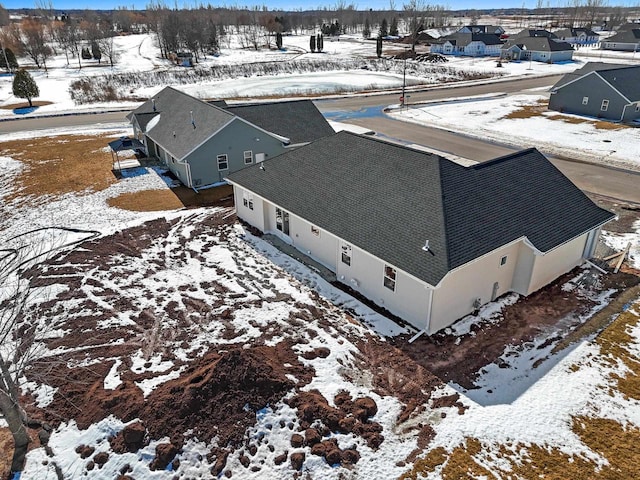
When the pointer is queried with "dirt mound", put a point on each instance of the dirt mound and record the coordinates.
(221, 393)
(348, 416)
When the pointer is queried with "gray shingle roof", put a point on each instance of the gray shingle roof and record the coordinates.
(388, 199)
(464, 39)
(538, 44)
(298, 120)
(625, 36)
(574, 32)
(624, 78)
(586, 68)
(174, 108)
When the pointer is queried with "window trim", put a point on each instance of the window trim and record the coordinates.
(283, 224)
(249, 157)
(220, 160)
(585, 100)
(315, 230)
(390, 276)
(503, 260)
(605, 105)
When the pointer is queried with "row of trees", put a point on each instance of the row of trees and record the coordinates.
(40, 37)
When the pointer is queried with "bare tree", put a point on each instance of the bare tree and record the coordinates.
(415, 12)
(34, 41)
(22, 327)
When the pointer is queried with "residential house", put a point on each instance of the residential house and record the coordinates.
(577, 36)
(623, 40)
(540, 48)
(202, 142)
(425, 238)
(468, 44)
(603, 90)
(492, 29)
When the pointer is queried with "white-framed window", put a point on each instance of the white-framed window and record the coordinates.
(637, 107)
(390, 278)
(346, 254)
(585, 100)
(503, 261)
(248, 157)
(315, 230)
(223, 162)
(282, 220)
(247, 200)
(605, 105)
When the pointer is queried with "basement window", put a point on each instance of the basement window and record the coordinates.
(248, 157)
(390, 278)
(503, 261)
(223, 162)
(346, 254)
(605, 105)
(585, 100)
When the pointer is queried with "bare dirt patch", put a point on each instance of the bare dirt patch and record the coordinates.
(36, 103)
(528, 111)
(59, 165)
(146, 201)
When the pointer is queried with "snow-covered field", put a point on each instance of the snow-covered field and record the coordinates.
(549, 131)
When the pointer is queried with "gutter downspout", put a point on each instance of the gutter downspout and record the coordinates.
(428, 323)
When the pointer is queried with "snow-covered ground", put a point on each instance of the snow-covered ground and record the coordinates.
(138, 53)
(519, 406)
(551, 132)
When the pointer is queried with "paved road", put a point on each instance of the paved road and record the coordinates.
(615, 183)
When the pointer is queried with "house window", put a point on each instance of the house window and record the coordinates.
(248, 157)
(390, 278)
(223, 162)
(247, 200)
(282, 221)
(585, 100)
(637, 107)
(503, 261)
(605, 105)
(315, 231)
(346, 254)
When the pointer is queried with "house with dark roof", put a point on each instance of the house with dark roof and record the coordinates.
(493, 29)
(627, 40)
(424, 237)
(577, 35)
(603, 90)
(201, 142)
(537, 48)
(468, 44)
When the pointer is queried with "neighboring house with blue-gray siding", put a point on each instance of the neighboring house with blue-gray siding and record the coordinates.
(599, 90)
(425, 238)
(627, 39)
(542, 46)
(203, 142)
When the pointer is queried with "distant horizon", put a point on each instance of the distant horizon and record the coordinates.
(287, 5)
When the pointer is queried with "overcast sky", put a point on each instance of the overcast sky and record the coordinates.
(284, 4)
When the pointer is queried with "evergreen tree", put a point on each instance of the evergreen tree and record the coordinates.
(320, 42)
(279, 40)
(379, 47)
(24, 86)
(366, 32)
(312, 44)
(384, 28)
(85, 53)
(393, 29)
(8, 60)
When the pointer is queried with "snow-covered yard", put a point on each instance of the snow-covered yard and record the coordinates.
(523, 120)
(213, 287)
